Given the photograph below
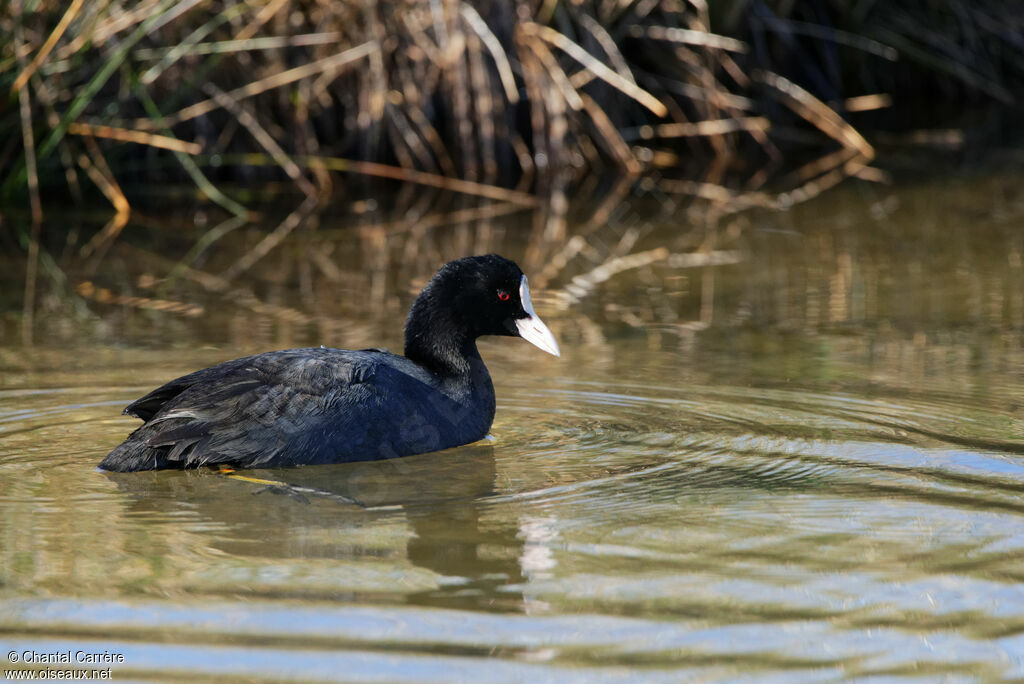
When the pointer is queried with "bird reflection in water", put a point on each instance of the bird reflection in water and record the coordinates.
(452, 531)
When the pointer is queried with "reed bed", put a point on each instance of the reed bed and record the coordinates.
(512, 106)
(478, 97)
(530, 96)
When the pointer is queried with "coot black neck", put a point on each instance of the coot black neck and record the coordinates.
(437, 340)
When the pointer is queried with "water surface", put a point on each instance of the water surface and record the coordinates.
(803, 464)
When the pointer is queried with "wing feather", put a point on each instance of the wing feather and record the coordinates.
(258, 407)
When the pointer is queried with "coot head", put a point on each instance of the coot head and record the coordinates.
(468, 298)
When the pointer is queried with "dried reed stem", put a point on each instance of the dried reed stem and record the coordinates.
(817, 112)
(402, 174)
(249, 122)
(137, 137)
(264, 84)
(595, 66)
(51, 42)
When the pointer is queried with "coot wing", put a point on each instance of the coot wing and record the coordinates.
(292, 407)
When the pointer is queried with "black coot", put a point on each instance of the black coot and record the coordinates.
(312, 406)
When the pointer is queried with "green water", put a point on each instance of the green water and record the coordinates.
(803, 464)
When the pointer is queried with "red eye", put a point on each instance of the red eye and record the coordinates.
(503, 296)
